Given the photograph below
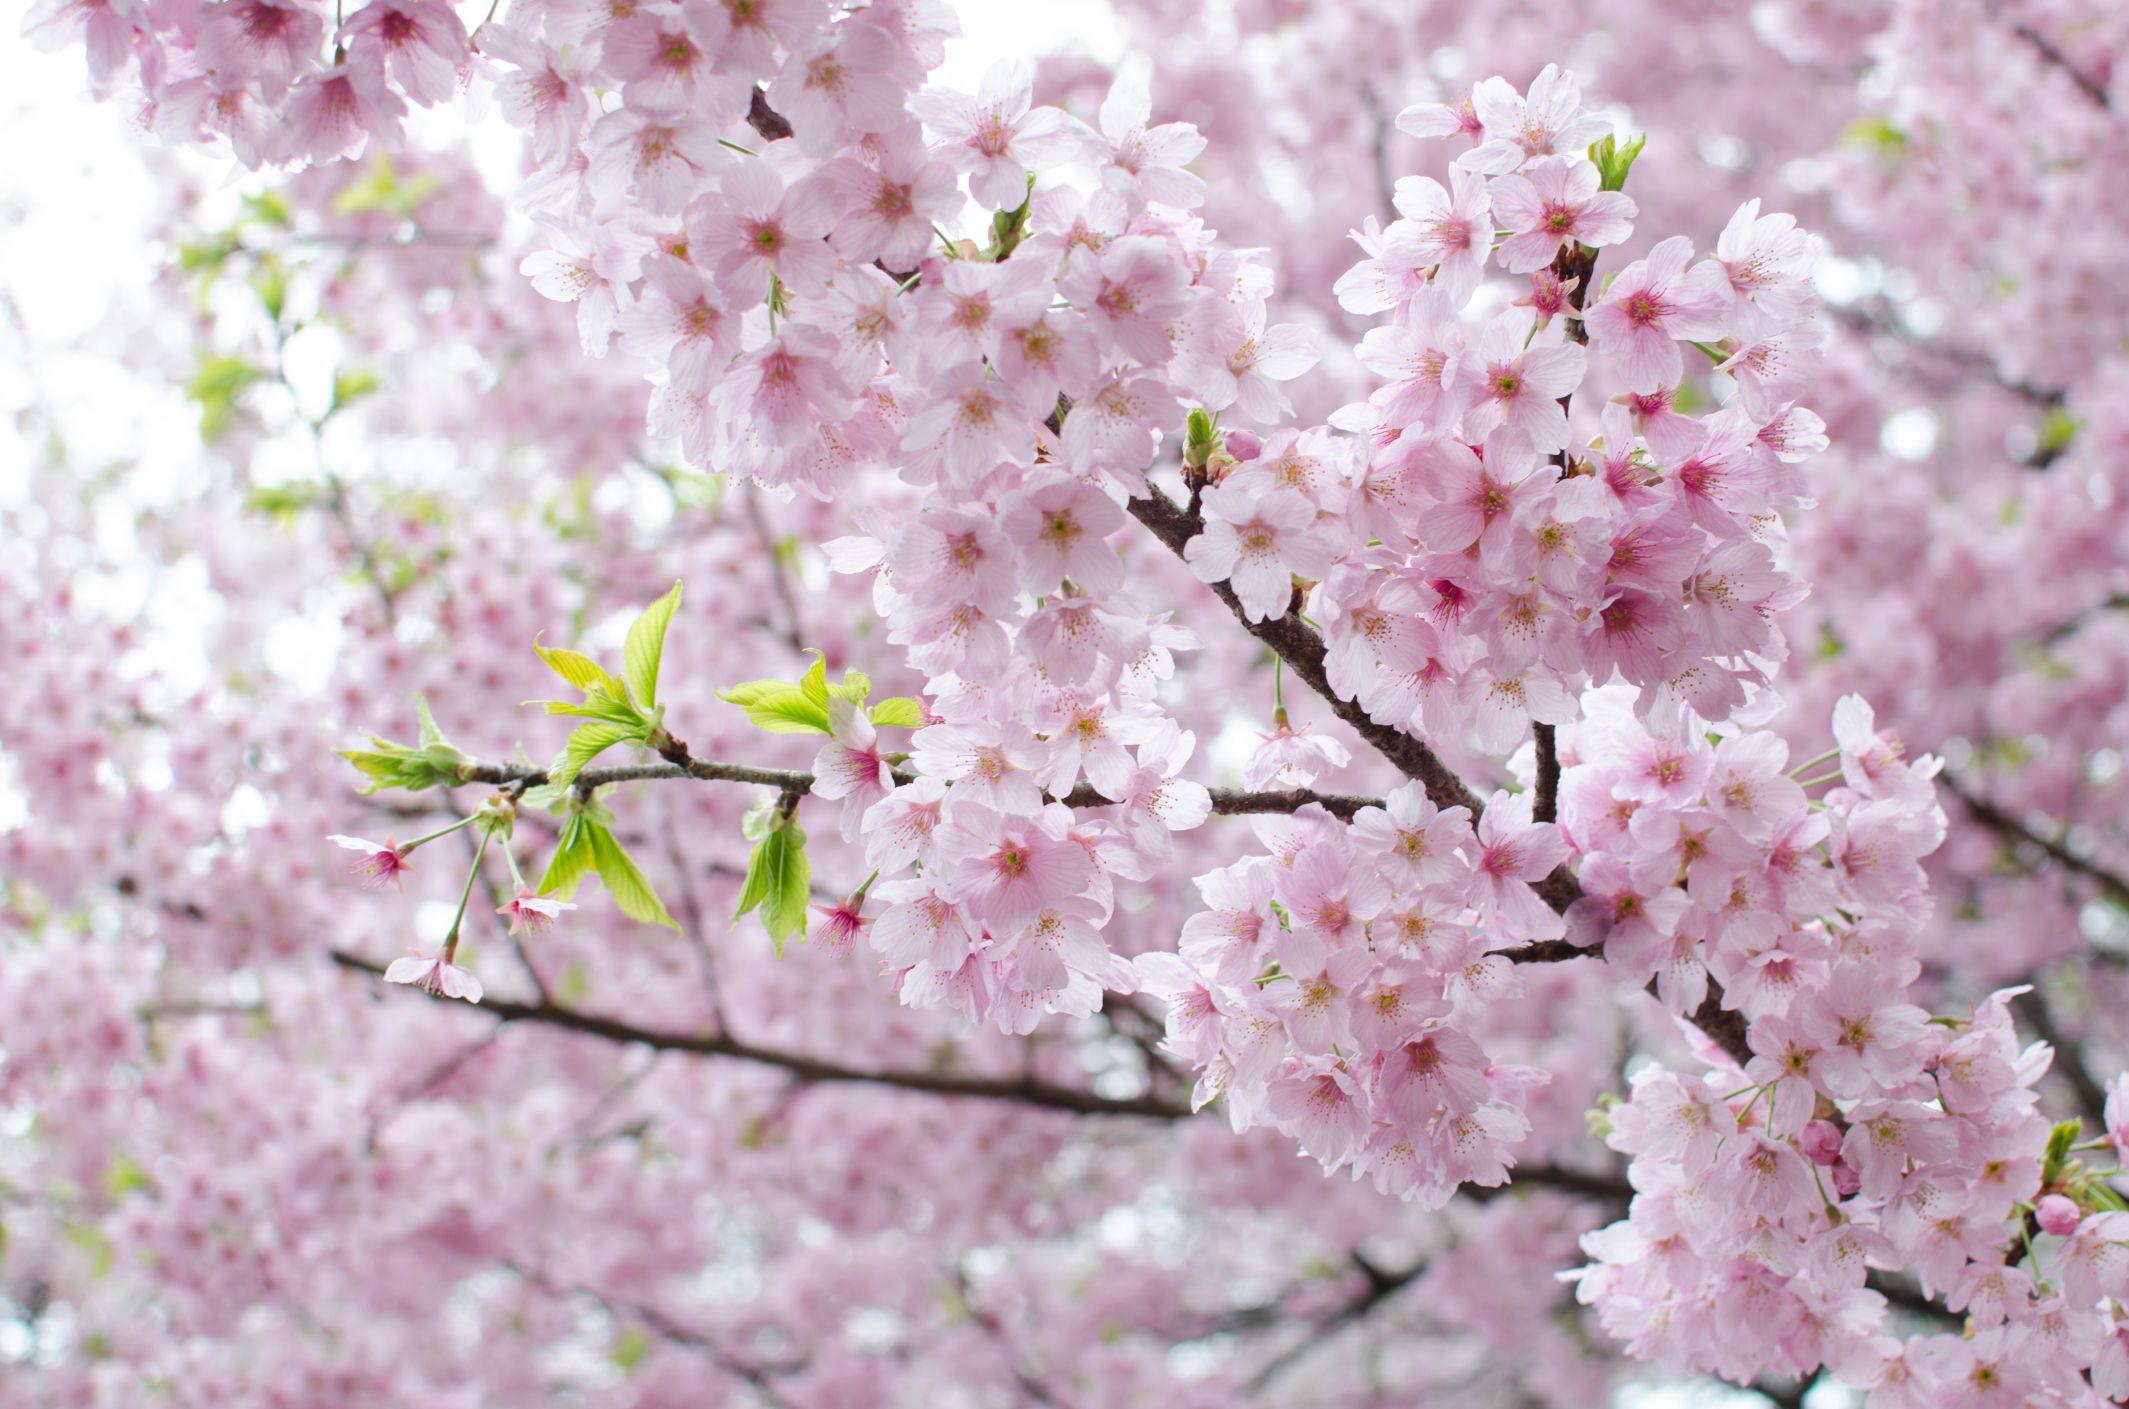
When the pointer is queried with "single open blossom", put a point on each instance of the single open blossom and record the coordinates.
(340, 111)
(1007, 868)
(994, 138)
(529, 913)
(1448, 228)
(1510, 383)
(839, 925)
(1129, 292)
(422, 42)
(1146, 162)
(1234, 360)
(381, 861)
(1061, 527)
(267, 42)
(435, 975)
(1552, 201)
(1651, 305)
(755, 227)
(849, 765)
(1517, 128)
(1514, 851)
(1259, 544)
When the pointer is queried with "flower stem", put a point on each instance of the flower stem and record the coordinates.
(441, 832)
(472, 873)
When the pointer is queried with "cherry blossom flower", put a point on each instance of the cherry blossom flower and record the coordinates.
(1146, 163)
(1508, 383)
(423, 42)
(1553, 201)
(529, 913)
(1513, 851)
(1061, 528)
(1516, 128)
(1258, 544)
(755, 228)
(339, 112)
(1005, 868)
(1129, 292)
(1650, 305)
(1445, 228)
(382, 862)
(994, 138)
(435, 975)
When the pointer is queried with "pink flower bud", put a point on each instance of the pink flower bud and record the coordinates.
(2057, 1215)
(1244, 445)
(1845, 1180)
(1820, 1140)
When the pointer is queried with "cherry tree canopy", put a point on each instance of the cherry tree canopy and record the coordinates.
(1363, 704)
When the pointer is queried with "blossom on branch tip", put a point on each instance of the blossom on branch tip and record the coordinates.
(434, 975)
(530, 913)
(382, 862)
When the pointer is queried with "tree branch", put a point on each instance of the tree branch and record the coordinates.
(1226, 802)
(2113, 883)
(1298, 645)
(1046, 1095)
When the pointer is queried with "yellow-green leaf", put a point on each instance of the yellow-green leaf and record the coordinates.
(579, 670)
(815, 682)
(585, 743)
(624, 882)
(779, 883)
(899, 711)
(645, 644)
(572, 859)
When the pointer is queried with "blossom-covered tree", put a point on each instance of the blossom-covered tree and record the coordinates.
(1428, 581)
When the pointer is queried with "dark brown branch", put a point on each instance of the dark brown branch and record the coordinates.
(1046, 1095)
(2113, 883)
(2033, 1011)
(2052, 53)
(1546, 806)
(1226, 802)
(771, 124)
(1298, 645)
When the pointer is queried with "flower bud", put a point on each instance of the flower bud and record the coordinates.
(2057, 1215)
(1820, 1140)
(1244, 446)
(1845, 1180)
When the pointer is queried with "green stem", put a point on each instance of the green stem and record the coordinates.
(441, 832)
(1814, 762)
(465, 896)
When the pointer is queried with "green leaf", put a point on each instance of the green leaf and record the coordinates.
(215, 387)
(572, 859)
(779, 883)
(282, 502)
(431, 736)
(124, 1176)
(630, 1349)
(855, 687)
(815, 681)
(351, 386)
(624, 882)
(380, 189)
(645, 644)
(779, 707)
(585, 743)
(899, 711)
(1614, 161)
(579, 670)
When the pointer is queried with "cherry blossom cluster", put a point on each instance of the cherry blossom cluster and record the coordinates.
(1529, 524)
(1330, 988)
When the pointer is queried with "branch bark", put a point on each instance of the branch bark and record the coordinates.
(1047, 1095)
